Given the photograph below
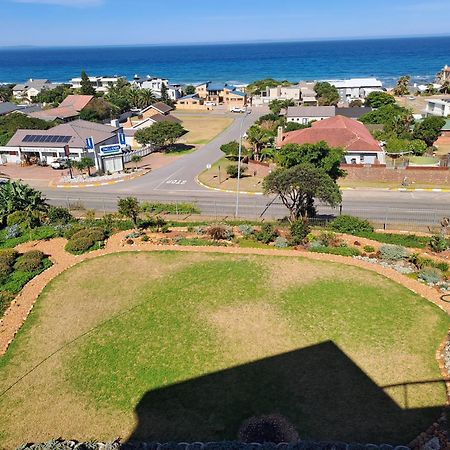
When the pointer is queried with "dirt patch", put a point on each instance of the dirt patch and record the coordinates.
(251, 332)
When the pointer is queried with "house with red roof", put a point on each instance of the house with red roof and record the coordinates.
(68, 110)
(359, 145)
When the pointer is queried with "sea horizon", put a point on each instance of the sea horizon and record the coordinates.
(386, 58)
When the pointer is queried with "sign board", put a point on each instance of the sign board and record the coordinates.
(122, 139)
(208, 166)
(109, 150)
(90, 143)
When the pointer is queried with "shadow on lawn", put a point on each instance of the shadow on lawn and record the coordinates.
(319, 389)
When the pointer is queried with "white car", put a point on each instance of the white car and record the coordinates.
(238, 110)
(210, 103)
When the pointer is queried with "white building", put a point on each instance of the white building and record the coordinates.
(155, 84)
(302, 93)
(28, 90)
(356, 88)
(306, 114)
(49, 145)
(438, 107)
(100, 84)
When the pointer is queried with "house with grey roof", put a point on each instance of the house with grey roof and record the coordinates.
(8, 108)
(31, 88)
(306, 114)
(67, 139)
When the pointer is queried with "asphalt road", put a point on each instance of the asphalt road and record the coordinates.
(176, 182)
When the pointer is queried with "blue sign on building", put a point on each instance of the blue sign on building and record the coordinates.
(90, 143)
(108, 150)
(122, 139)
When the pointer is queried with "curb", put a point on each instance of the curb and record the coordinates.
(418, 190)
(90, 185)
(227, 191)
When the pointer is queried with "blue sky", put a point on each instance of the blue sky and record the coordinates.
(104, 22)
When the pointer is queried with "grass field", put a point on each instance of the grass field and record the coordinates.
(202, 129)
(184, 347)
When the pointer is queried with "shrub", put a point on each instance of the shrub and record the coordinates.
(393, 252)
(170, 208)
(30, 261)
(281, 242)
(266, 234)
(5, 270)
(233, 169)
(369, 249)
(273, 428)
(430, 275)
(246, 230)
(16, 218)
(438, 243)
(75, 228)
(13, 231)
(341, 251)
(145, 238)
(79, 245)
(350, 225)
(5, 300)
(299, 230)
(219, 232)
(59, 216)
(329, 239)
(8, 257)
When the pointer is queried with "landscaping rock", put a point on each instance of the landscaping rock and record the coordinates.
(432, 444)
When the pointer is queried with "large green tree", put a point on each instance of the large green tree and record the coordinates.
(160, 134)
(299, 186)
(429, 129)
(98, 110)
(259, 138)
(6, 92)
(189, 90)
(320, 155)
(378, 98)
(231, 149)
(327, 94)
(53, 97)
(86, 86)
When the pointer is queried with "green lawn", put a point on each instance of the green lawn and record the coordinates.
(185, 346)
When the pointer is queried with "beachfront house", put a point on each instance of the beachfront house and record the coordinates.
(31, 88)
(100, 83)
(68, 110)
(308, 114)
(438, 107)
(67, 139)
(359, 145)
(192, 101)
(221, 93)
(356, 88)
(443, 75)
(301, 94)
(155, 84)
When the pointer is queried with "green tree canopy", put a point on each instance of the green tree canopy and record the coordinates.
(86, 86)
(299, 186)
(294, 126)
(319, 155)
(257, 86)
(98, 110)
(10, 123)
(402, 86)
(429, 129)
(327, 94)
(378, 99)
(231, 149)
(189, 90)
(6, 92)
(384, 114)
(277, 105)
(160, 134)
(54, 96)
(259, 138)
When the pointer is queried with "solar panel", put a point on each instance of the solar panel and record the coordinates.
(54, 139)
(61, 138)
(66, 138)
(34, 138)
(26, 138)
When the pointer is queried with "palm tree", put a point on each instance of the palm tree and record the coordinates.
(445, 88)
(146, 98)
(258, 137)
(134, 96)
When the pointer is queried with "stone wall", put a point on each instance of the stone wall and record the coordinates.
(435, 175)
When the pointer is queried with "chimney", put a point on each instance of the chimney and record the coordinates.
(280, 136)
(115, 123)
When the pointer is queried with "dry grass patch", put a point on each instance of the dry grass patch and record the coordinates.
(202, 129)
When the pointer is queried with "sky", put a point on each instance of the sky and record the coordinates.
(130, 22)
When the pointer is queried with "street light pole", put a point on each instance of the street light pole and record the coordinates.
(239, 163)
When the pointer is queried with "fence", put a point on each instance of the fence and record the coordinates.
(142, 152)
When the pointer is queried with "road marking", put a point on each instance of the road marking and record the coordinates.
(178, 182)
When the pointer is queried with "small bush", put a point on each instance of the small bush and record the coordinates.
(233, 170)
(79, 245)
(5, 270)
(350, 225)
(369, 249)
(59, 216)
(16, 218)
(219, 232)
(273, 428)
(30, 261)
(341, 251)
(267, 233)
(393, 252)
(329, 239)
(145, 238)
(8, 257)
(430, 275)
(441, 265)
(281, 242)
(75, 228)
(170, 208)
(5, 300)
(299, 230)
(246, 230)
(438, 243)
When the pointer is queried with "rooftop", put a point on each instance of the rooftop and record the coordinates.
(311, 111)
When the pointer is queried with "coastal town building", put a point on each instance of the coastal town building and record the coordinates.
(301, 94)
(192, 101)
(356, 88)
(438, 107)
(68, 110)
(359, 145)
(99, 83)
(67, 139)
(219, 93)
(443, 141)
(31, 88)
(9, 108)
(155, 84)
(307, 114)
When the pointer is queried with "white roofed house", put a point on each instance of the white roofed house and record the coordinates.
(356, 88)
(31, 88)
(438, 107)
(100, 83)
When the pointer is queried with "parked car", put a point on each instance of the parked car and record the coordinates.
(60, 163)
(210, 104)
(238, 110)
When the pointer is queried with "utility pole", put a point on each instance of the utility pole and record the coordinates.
(239, 162)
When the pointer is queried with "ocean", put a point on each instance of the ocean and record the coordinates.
(386, 59)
